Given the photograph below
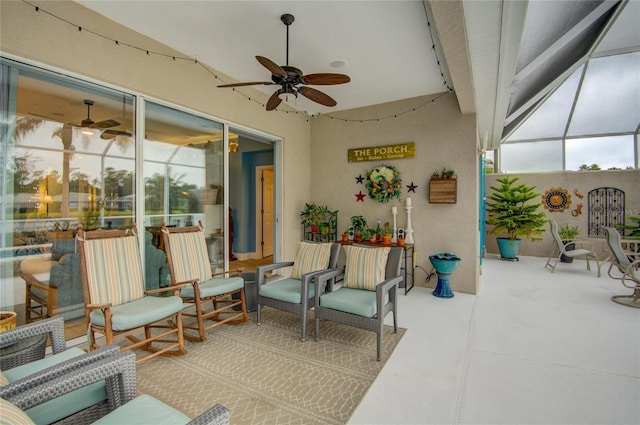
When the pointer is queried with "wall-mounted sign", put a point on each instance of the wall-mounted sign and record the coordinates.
(378, 153)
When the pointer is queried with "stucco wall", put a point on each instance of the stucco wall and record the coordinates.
(45, 40)
(580, 181)
(443, 138)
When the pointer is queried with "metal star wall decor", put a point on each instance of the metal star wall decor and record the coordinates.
(412, 188)
(360, 196)
(360, 179)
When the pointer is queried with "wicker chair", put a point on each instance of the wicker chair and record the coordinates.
(368, 292)
(628, 269)
(115, 298)
(32, 368)
(287, 294)
(189, 263)
(118, 372)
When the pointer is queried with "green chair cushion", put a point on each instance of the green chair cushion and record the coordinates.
(215, 286)
(355, 301)
(140, 312)
(285, 290)
(144, 410)
(68, 404)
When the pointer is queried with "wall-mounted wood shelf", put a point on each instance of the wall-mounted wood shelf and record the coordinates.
(443, 191)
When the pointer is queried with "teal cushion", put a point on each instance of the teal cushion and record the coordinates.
(68, 404)
(285, 290)
(355, 301)
(140, 312)
(215, 286)
(144, 410)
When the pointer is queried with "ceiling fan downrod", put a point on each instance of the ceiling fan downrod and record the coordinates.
(287, 19)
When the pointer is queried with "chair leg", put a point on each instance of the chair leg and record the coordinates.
(259, 313)
(303, 332)
(317, 326)
(379, 345)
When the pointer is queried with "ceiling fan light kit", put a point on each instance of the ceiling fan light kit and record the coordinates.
(292, 80)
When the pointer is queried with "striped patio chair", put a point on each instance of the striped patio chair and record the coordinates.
(188, 260)
(115, 298)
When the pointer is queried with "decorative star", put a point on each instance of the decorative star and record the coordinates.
(412, 188)
(360, 179)
(360, 197)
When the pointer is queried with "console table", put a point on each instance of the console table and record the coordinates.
(408, 261)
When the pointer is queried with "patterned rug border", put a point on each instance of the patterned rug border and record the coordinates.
(265, 374)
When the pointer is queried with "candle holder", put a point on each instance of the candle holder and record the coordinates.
(394, 237)
(408, 232)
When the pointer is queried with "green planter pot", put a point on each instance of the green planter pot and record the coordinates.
(508, 248)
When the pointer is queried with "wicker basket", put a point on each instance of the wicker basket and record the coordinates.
(7, 320)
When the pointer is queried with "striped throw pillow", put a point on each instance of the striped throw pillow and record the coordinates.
(189, 256)
(310, 257)
(365, 267)
(114, 270)
(11, 414)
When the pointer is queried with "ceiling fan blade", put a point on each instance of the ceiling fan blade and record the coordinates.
(325, 79)
(110, 134)
(317, 96)
(104, 124)
(271, 66)
(273, 101)
(252, 83)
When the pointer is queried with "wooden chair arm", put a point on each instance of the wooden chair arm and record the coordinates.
(169, 288)
(31, 280)
(234, 271)
(99, 306)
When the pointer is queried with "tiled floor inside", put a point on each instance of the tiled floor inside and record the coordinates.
(531, 347)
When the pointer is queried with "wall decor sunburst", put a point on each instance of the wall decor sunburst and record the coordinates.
(556, 199)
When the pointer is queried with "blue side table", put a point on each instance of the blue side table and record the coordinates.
(445, 264)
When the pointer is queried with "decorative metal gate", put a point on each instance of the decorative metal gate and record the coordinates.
(606, 209)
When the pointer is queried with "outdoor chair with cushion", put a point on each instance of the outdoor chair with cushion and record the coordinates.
(118, 373)
(115, 298)
(295, 294)
(560, 249)
(628, 269)
(189, 263)
(368, 293)
(75, 407)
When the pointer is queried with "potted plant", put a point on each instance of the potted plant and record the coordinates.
(387, 234)
(345, 237)
(311, 216)
(359, 226)
(512, 214)
(568, 234)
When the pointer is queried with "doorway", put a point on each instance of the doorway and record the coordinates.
(265, 202)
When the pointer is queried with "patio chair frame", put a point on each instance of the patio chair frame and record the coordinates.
(560, 249)
(628, 269)
(223, 311)
(169, 325)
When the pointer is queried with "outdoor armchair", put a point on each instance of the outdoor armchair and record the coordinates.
(628, 269)
(76, 407)
(118, 373)
(115, 298)
(295, 294)
(560, 249)
(189, 265)
(368, 293)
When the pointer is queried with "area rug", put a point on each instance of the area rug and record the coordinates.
(266, 375)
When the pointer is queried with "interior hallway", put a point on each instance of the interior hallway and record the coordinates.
(531, 348)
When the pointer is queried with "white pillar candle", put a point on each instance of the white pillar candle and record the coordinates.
(394, 210)
(408, 202)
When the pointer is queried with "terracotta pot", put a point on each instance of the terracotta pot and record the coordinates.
(400, 242)
(345, 238)
(386, 240)
(357, 238)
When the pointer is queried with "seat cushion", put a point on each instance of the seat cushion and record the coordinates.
(189, 256)
(365, 267)
(310, 257)
(144, 409)
(354, 301)
(215, 286)
(140, 312)
(285, 290)
(68, 404)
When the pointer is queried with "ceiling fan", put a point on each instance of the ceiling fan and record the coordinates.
(292, 79)
(88, 122)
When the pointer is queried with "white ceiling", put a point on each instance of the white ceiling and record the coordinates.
(386, 45)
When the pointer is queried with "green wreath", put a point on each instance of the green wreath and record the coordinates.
(384, 183)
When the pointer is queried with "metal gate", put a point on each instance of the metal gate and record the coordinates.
(606, 209)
